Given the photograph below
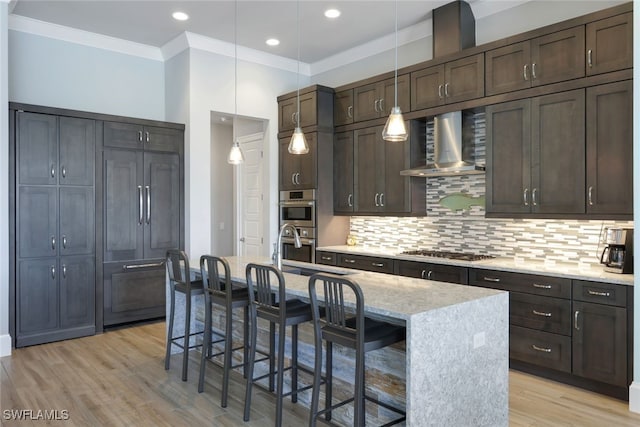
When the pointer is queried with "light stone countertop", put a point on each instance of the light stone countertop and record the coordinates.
(570, 271)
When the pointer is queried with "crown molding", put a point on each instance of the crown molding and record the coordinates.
(86, 38)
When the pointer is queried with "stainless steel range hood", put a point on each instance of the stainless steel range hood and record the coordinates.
(451, 157)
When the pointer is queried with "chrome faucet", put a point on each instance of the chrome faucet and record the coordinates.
(277, 252)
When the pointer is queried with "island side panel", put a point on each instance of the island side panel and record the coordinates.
(453, 378)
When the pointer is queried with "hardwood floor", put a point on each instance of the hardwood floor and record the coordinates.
(118, 379)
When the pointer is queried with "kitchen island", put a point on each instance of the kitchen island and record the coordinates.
(457, 349)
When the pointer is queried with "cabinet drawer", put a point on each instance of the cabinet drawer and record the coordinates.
(360, 262)
(528, 283)
(327, 258)
(540, 348)
(600, 293)
(428, 271)
(541, 313)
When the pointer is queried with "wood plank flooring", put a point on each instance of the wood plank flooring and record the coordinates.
(118, 379)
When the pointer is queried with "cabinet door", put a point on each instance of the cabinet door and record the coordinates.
(162, 204)
(123, 135)
(365, 102)
(77, 291)
(508, 152)
(428, 271)
(395, 191)
(287, 114)
(77, 151)
(508, 68)
(343, 173)
(289, 166)
(37, 141)
(365, 148)
(427, 88)
(123, 205)
(558, 56)
(308, 109)
(37, 296)
(343, 107)
(37, 221)
(600, 342)
(464, 79)
(307, 168)
(610, 149)
(163, 139)
(387, 101)
(77, 221)
(610, 44)
(558, 153)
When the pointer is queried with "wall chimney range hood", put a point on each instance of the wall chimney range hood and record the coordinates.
(451, 157)
(453, 30)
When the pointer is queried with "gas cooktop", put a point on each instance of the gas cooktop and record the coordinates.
(462, 256)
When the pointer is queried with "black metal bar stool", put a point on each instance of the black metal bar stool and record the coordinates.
(180, 281)
(275, 308)
(219, 290)
(341, 326)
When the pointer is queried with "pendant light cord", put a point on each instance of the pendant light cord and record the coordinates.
(396, 73)
(235, 56)
(298, 72)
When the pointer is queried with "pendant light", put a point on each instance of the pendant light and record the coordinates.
(298, 143)
(235, 155)
(395, 129)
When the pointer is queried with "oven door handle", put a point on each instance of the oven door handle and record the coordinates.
(300, 203)
(304, 241)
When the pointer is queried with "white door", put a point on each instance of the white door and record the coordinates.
(249, 197)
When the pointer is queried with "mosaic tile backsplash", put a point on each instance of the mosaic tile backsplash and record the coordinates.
(467, 230)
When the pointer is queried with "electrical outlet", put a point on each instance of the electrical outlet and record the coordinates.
(479, 340)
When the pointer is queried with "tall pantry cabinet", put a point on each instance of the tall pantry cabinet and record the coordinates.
(95, 202)
(54, 227)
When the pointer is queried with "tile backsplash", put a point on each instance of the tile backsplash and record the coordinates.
(467, 230)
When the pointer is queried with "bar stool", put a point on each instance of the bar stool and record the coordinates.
(180, 281)
(275, 308)
(218, 289)
(358, 332)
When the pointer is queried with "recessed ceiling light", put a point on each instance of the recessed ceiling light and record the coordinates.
(180, 16)
(332, 13)
(273, 42)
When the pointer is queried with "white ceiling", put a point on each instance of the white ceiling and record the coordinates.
(149, 21)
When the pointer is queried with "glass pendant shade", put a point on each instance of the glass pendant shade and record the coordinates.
(298, 143)
(235, 155)
(395, 129)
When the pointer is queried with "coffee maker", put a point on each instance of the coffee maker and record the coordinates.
(617, 255)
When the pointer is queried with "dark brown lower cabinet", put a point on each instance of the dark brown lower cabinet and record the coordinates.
(133, 291)
(540, 348)
(367, 263)
(429, 271)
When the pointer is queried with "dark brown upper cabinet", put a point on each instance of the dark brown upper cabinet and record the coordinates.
(375, 100)
(343, 108)
(610, 149)
(298, 171)
(547, 59)
(288, 111)
(536, 156)
(610, 44)
(447, 83)
(343, 173)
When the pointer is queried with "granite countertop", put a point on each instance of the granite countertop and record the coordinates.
(570, 271)
(388, 296)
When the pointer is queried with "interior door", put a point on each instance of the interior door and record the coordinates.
(250, 209)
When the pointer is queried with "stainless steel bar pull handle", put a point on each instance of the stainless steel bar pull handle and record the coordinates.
(375, 106)
(64, 242)
(140, 203)
(53, 171)
(293, 178)
(446, 89)
(350, 261)
(375, 199)
(381, 199)
(590, 58)
(350, 200)
(64, 271)
(422, 274)
(491, 279)
(542, 349)
(440, 95)
(325, 258)
(533, 71)
(53, 243)
(540, 313)
(533, 197)
(430, 275)
(350, 111)
(590, 195)
(64, 172)
(539, 286)
(381, 104)
(140, 135)
(53, 272)
(599, 294)
(146, 134)
(575, 320)
(134, 266)
(148, 191)
(525, 71)
(525, 196)
(377, 264)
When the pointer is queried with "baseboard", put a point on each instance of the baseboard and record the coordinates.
(634, 397)
(5, 345)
